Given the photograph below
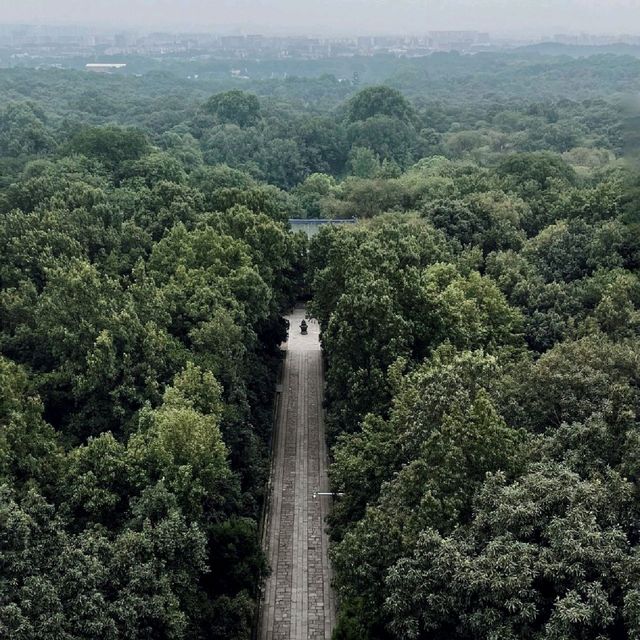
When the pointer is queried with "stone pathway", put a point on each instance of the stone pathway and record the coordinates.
(298, 602)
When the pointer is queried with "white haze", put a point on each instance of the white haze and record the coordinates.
(335, 16)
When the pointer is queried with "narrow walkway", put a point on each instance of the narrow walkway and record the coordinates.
(298, 603)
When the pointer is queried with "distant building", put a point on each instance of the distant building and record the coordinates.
(104, 67)
(457, 40)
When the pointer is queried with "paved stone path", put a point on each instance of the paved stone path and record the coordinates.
(298, 602)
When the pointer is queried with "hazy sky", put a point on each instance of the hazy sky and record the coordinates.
(353, 16)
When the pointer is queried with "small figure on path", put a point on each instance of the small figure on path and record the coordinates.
(303, 327)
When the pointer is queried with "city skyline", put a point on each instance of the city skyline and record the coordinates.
(333, 17)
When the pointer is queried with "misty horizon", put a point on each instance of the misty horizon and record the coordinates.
(334, 17)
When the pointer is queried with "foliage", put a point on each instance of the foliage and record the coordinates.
(482, 335)
(140, 304)
(234, 107)
(480, 326)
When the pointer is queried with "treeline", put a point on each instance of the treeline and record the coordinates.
(285, 132)
(376, 134)
(549, 71)
(483, 397)
(140, 322)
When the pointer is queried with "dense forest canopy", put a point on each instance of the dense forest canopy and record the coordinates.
(480, 326)
(482, 332)
(285, 131)
(141, 294)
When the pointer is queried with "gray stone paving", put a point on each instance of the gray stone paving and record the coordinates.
(298, 602)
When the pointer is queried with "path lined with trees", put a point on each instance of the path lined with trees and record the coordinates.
(481, 332)
(297, 601)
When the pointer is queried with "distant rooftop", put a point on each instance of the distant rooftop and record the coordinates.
(106, 65)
